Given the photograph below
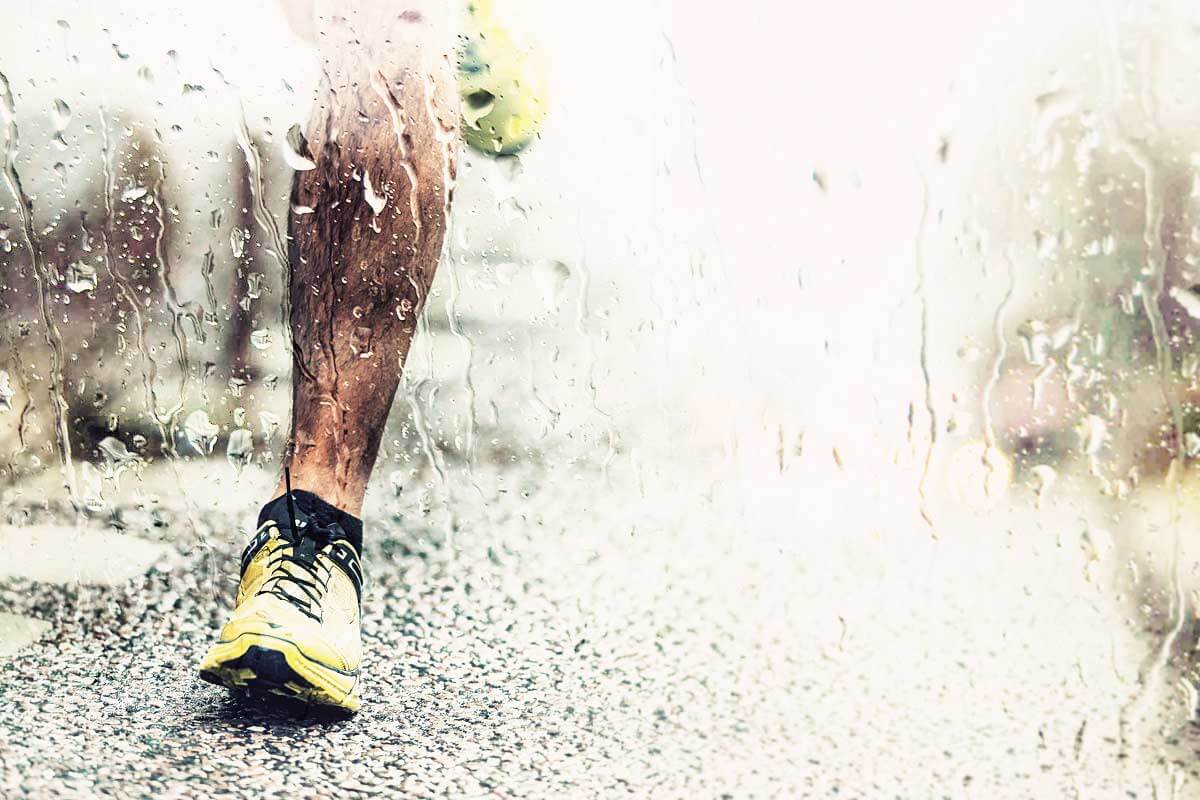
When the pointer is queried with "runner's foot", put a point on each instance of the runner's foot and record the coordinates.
(295, 629)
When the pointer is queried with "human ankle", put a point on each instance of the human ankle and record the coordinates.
(347, 499)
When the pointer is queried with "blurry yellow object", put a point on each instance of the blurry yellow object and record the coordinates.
(502, 87)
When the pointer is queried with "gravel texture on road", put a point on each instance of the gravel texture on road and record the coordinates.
(550, 634)
(499, 662)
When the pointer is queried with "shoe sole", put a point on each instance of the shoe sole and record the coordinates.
(263, 663)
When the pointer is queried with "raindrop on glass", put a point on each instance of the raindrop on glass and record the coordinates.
(200, 432)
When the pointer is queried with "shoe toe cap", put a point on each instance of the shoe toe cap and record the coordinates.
(339, 649)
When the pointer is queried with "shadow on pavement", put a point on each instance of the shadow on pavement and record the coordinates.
(240, 709)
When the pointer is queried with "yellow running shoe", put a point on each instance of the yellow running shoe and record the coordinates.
(295, 629)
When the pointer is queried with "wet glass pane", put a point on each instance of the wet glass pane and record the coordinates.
(534, 399)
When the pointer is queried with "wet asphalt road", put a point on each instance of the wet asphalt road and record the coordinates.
(508, 655)
(557, 632)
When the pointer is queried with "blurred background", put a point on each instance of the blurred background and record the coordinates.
(836, 364)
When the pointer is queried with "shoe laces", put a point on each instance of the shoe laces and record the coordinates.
(296, 574)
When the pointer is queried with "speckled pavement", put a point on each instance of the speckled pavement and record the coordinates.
(498, 665)
(553, 631)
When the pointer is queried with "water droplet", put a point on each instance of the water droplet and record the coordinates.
(200, 432)
(1126, 299)
(1188, 298)
(117, 458)
(61, 115)
(237, 241)
(8, 106)
(1040, 339)
(261, 339)
(295, 150)
(133, 193)
(476, 106)
(374, 200)
(1046, 243)
(551, 277)
(360, 342)
(254, 285)
(1093, 432)
(6, 391)
(1190, 366)
(1097, 544)
(1044, 477)
(81, 277)
(240, 448)
(269, 423)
